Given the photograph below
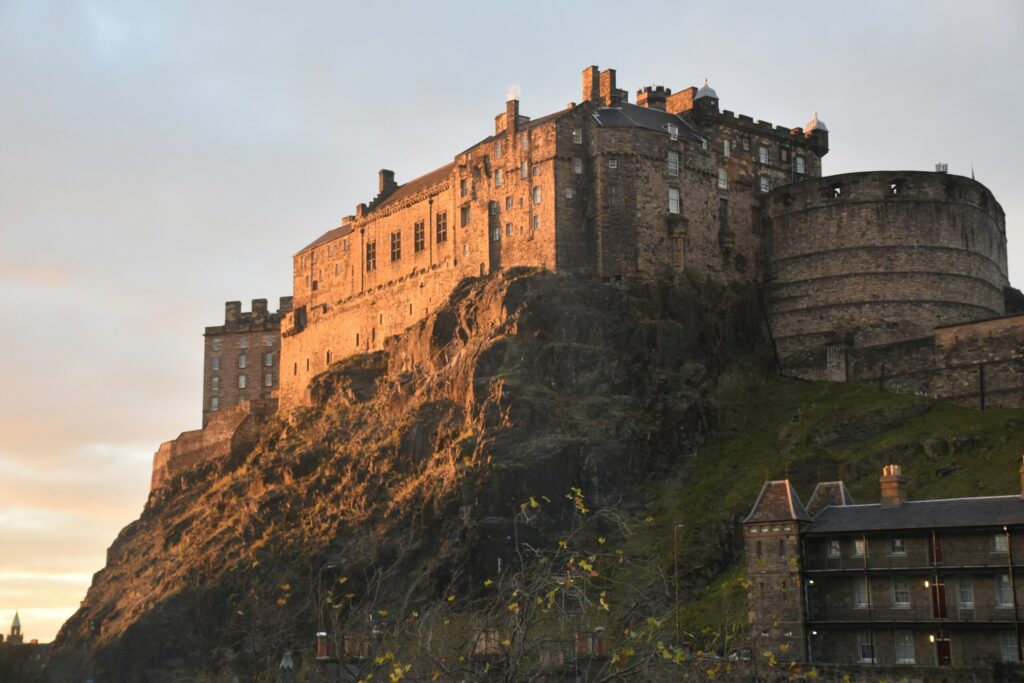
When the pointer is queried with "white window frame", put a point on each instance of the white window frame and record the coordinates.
(268, 379)
(726, 148)
(577, 165)
(577, 135)
(674, 200)
(268, 359)
(897, 546)
(673, 131)
(524, 170)
(835, 548)
(672, 162)
(765, 184)
(215, 344)
(1008, 646)
(801, 167)
(900, 592)
(215, 403)
(499, 178)
(569, 193)
(613, 163)
(536, 194)
(865, 648)
(1004, 591)
(496, 234)
(242, 381)
(861, 593)
(858, 548)
(723, 179)
(243, 360)
(215, 383)
(965, 592)
(243, 342)
(762, 154)
(1000, 544)
(215, 363)
(904, 640)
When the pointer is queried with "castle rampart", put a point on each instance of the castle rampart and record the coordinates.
(865, 259)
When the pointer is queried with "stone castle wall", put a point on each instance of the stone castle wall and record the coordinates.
(871, 258)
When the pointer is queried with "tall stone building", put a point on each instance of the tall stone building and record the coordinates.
(241, 358)
(608, 189)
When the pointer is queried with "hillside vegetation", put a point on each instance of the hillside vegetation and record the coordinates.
(535, 418)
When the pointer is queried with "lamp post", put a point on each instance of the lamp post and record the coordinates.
(675, 579)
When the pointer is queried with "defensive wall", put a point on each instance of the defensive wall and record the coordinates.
(228, 431)
(866, 259)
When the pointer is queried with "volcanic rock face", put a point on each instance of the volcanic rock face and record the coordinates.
(406, 469)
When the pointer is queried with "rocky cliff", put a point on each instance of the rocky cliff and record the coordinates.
(407, 468)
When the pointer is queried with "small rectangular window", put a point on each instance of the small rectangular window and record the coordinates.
(858, 547)
(673, 162)
(1004, 592)
(241, 381)
(536, 170)
(1008, 651)
(215, 363)
(904, 647)
(613, 163)
(508, 203)
(493, 205)
(396, 245)
(524, 140)
(371, 256)
(215, 383)
(496, 234)
(535, 222)
(497, 149)
(569, 193)
(860, 593)
(673, 131)
(215, 403)
(897, 546)
(268, 380)
(762, 154)
(577, 165)
(965, 592)
(441, 227)
(536, 195)
(866, 647)
(463, 188)
(243, 342)
(215, 345)
(900, 592)
(765, 184)
(673, 200)
(268, 359)
(800, 165)
(419, 236)
(726, 148)
(464, 216)
(723, 179)
(834, 548)
(783, 154)
(243, 360)
(577, 135)
(508, 230)
(524, 170)
(614, 195)
(1000, 544)
(268, 340)
(498, 178)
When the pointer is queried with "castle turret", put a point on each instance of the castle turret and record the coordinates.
(817, 132)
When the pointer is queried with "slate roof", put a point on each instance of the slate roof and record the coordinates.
(777, 502)
(628, 115)
(989, 511)
(828, 493)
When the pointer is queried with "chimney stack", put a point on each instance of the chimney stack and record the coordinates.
(386, 182)
(511, 117)
(259, 311)
(894, 486)
(232, 312)
(591, 84)
(284, 304)
(608, 87)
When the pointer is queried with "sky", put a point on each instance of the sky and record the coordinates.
(158, 159)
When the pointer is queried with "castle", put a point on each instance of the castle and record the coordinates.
(894, 277)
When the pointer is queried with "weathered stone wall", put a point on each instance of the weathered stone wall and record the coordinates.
(878, 257)
(772, 553)
(975, 364)
(227, 431)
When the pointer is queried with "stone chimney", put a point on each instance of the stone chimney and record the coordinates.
(653, 97)
(284, 304)
(259, 311)
(893, 485)
(386, 181)
(511, 116)
(608, 87)
(591, 84)
(232, 312)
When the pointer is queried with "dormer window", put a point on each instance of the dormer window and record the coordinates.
(673, 131)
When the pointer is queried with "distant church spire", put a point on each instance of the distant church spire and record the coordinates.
(16, 637)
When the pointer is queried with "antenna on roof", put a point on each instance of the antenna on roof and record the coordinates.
(972, 171)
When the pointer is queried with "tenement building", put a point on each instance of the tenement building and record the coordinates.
(241, 359)
(896, 584)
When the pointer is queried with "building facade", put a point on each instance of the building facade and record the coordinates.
(241, 358)
(608, 189)
(893, 584)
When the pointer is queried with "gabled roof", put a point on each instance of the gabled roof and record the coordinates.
(628, 115)
(989, 511)
(828, 493)
(777, 502)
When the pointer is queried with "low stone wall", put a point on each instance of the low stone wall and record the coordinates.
(226, 432)
(979, 364)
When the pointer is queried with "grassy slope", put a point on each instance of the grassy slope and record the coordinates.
(808, 432)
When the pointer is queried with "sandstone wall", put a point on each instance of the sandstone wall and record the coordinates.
(873, 258)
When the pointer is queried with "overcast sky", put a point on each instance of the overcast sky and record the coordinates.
(160, 158)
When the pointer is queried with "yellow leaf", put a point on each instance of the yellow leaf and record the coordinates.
(563, 544)
(601, 540)
(451, 598)
(513, 607)
(649, 519)
(488, 583)
(533, 503)
(282, 601)
(382, 612)
(286, 587)
(350, 595)
(342, 579)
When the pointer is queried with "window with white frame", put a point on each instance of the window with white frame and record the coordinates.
(858, 547)
(723, 179)
(524, 140)
(834, 548)
(897, 546)
(215, 403)
(569, 193)
(800, 165)
(215, 383)
(536, 195)
(241, 381)
(861, 596)
(762, 154)
(499, 177)
(215, 344)
(268, 380)
(1000, 543)
(268, 359)
(243, 342)
(726, 148)
(900, 592)
(524, 170)
(866, 647)
(673, 162)
(673, 131)
(673, 200)
(965, 592)
(493, 205)
(215, 363)
(497, 149)
(508, 230)
(577, 135)
(1008, 651)
(577, 165)
(535, 222)
(904, 647)
(1004, 592)
(496, 234)
(243, 360)
(613, 163)
(268, 340)
(765, 184)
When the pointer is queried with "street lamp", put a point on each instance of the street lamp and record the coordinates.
(675, 578)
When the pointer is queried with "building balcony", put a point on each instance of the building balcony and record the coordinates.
(978, 614)
(917, 562)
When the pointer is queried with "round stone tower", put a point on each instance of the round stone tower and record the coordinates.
(862, 259)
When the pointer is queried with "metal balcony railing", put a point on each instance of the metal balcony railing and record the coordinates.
(967, 614)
